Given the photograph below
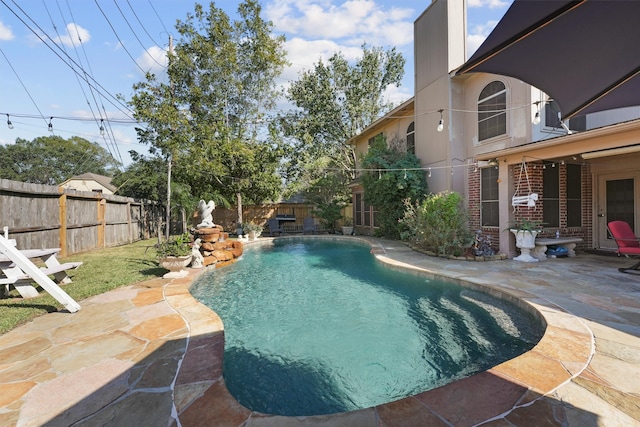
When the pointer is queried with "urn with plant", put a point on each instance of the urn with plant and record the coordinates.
(347, 226)
(525, 232)
(174, 254)
(253, 230)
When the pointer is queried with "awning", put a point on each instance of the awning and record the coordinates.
(583, 54)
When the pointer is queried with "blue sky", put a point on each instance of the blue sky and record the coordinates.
(111, 43)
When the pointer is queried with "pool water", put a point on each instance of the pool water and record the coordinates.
(317, 326)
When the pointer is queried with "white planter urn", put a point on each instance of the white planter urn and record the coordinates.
(525, 240)
(347, 230)
(176, 266)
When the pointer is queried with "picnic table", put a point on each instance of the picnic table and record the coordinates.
(19, 271)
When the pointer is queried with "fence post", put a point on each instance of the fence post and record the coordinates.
(130, 227)
(102, 224)
(62, 212)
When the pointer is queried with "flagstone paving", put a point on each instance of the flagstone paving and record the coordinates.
(151, 355)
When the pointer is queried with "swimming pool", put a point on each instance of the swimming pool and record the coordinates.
(317, 326)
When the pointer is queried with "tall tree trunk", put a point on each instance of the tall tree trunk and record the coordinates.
(239, 197)
(168, 213)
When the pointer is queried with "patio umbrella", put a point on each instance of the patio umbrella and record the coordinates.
(584, 54)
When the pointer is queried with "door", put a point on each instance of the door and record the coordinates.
(616, 202)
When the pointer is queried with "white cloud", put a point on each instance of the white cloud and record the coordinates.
(154, 60)
(303, 54)
(354, 22)
(491, 4)
(317, 29)
(397, 95)
(5, 32)
(76, 35)
(477, 35)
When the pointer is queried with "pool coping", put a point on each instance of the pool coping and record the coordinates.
(517, 385)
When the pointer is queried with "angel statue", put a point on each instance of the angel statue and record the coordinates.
(205, 214)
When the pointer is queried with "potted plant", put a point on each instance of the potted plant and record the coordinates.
(525, 232)
(347, 226)
(175, 254)
(253, 230)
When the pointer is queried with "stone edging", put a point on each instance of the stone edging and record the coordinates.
(562, 353)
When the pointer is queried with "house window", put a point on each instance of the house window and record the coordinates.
(574, 196)
(489, 197)
(492, 111)
(366, 212)
(363, 213)
(411, 139)
(357, 209)
(551, 196)
(552, 118)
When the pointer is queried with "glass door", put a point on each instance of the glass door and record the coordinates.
(617, 204)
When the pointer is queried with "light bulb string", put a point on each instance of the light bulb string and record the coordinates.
(425, 168)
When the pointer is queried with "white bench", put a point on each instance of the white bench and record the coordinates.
(540, 251)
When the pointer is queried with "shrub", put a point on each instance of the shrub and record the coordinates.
(174, 246)
(438, 224)
(393, 175)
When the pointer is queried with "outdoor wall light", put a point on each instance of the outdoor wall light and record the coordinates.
(536, 118)
(440, 127)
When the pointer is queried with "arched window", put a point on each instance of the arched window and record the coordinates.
(411, 139)
(492, 111)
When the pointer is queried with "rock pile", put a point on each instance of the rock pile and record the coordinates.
(215, 246)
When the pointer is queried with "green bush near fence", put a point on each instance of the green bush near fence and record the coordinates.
(102, 270)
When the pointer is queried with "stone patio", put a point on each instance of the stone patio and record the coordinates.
(151, 355)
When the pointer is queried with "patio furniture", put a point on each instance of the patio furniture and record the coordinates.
(542, 244)
(628, 243)
(19, 271)
(308, 225)
(274, 227)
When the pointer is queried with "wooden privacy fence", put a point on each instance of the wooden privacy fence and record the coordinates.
(260, 214)
(44, 216)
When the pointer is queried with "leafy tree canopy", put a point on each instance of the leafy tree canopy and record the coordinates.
(52, 160)
(209, 120)
(335, 101)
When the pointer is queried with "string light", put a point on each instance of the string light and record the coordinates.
(429, 173)
(440, 127)
(9, 124)
(536, 118)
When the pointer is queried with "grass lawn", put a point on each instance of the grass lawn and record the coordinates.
(101, 271)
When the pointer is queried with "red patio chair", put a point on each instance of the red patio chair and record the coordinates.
(628, 243)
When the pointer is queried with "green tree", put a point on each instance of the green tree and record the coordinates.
(52, 159)
(335, 101)
(145, 178)
(208, 121)
(324, 194)
(393, 177)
